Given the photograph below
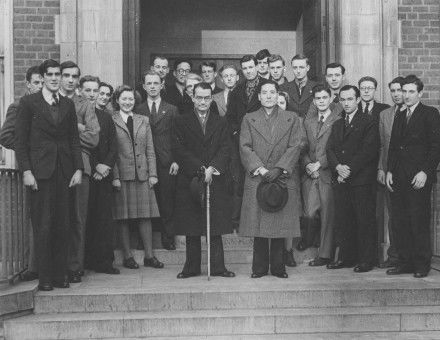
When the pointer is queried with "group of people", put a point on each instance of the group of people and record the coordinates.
(282, 159)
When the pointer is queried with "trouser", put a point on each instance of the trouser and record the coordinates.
(393, 256)
(50, 215)
(194, 255)
(355, 223)
(411, 210)
(78, 227)
(165, 194)
(100, 226)
(319, 200)
(262, 256)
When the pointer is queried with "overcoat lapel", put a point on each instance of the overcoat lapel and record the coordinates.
(259, 124)
(353, 123)
(281, 126)
(306, 89)
(413, 119)
(194, 124)
(327, 124)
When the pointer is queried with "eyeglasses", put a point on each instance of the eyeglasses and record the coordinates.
(206, 99)
(182, 71)
(367, 88)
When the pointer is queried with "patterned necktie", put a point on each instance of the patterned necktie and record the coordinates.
(320, 124)
(366, 110)
(153, 109)
(56, 101)
(408, 115)
(347, 120)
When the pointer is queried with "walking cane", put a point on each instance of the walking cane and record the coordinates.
(208, 228)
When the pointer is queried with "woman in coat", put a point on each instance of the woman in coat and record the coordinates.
(134, 176)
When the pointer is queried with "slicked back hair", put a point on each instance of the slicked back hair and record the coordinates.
(350, 87)
(335, 65)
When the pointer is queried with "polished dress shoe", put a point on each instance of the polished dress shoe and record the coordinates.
(399, 270)
(28, 276)
(108, 270)
(183, 275)
(153, 262)
(61, 283)
(288, 258)
(419, 275)
(226, 273)
(281, 275)
(74, 277)
(301, 245)
(257, 275)
(363, 268)
(318, 262)
(336, 265)
(130, 263)
(45, 287)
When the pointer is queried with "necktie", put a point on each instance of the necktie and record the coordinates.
(153, 109)
(347, 120)
(366, 111)
(408, 114)
(130, 126)
(55, 99)
(336, 99)
(320, 124)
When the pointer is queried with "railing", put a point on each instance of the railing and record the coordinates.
(14, 225)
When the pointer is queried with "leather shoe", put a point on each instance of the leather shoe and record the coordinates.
(399, 270)
(74, 277)
(45, 287)
(169, 246)
(318, 262)
(130, 263)
(363, 268)
(61, 284)
(288, 258)
(281, 275)
(183, 275)
(153, 262)
(419, 275)
(108, 270)
(301, 245)
(257, 275)
(336, 265)
(226, 273)
(387, 264)
(28, 276)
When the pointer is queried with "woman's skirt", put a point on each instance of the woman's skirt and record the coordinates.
(135, 200)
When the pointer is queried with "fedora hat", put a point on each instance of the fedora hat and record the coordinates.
(197, 191)
(272, 196)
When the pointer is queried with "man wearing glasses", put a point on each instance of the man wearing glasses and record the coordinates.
(202, 150)
(174, 93)
(367, 86)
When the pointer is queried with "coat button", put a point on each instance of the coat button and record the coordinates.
(401, 148)
(343, 151)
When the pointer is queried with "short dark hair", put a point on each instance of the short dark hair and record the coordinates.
(119, 90)
(203, 86)
(350, 87)
(31, 71)
(70, 64)
(248, 57)
(150, 73)
(300, 57)
(335, 65)
(284, 94)
(413, 79)
(225, 67)
(88, 78)
(209, 63)
(319, 88)
(398, 80)
(276, 57)
(182, 60)
(262, 54)
(103, 84)
(157, 56)
(268, 81)
(367, 78)
(48, 63)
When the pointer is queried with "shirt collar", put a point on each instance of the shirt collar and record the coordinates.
(48, 95)
(370, 105)
(325, 114)
(157, 101)
(125, 116)
(412, 108)
(301, 83)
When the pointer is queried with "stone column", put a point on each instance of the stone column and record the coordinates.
(91, 35)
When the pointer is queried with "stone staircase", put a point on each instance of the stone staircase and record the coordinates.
(313, 303)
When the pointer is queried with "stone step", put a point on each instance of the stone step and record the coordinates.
(148, 289)
(229, 241)
(239, 255)
(230, 322)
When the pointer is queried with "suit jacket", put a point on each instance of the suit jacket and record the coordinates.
(219, 98)
(7, 132)
(161, 126)
(316, 149)
(299, 103)
(172, 95)
(386, 120)
(356, 146)
(377, 109)
(216, 89)
(42, 143)
(135, 160)
(105, 152)
(415, 146)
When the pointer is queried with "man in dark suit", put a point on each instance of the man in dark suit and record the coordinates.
(174, 93)
(48, 152)
(208, 70)
(352, 153)
(202, 149)
(367, 86)
(414, 155)
(277, 67)
(299, 89)
(243, 99)
(34, 84)
(262, 63)
(99, 254)
(162, 115)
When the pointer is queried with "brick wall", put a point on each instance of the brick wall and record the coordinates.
(420, 52)
(34, 36)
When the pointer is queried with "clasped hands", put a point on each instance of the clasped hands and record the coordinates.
(270, 175)
(312, 169)
(343, 171)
